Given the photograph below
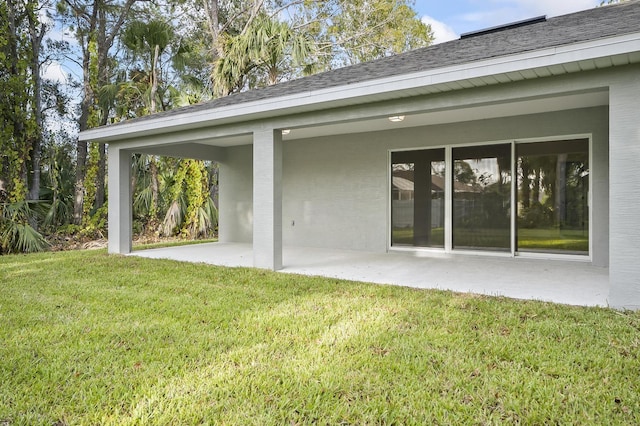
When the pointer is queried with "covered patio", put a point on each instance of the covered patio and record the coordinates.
(311, 163)
(567, 282)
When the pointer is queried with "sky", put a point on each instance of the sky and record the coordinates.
(449, 19)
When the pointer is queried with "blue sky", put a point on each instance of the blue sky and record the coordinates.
(451, 18)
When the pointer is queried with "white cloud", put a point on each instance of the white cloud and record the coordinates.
(441, 31)
(53, 71)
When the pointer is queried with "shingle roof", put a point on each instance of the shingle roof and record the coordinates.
(588, 25)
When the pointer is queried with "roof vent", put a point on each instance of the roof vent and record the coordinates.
(504, 27)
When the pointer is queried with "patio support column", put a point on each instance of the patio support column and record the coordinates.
(120, 209)
(267, 199)
(624, 193)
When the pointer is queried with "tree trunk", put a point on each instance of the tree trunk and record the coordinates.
(97, 26)
(526, 184)
(153, 168)
(154, 80)
(85, 111)
(19, 130)
(536, 184)
(36, 147)
(213, 22)
(81, 146)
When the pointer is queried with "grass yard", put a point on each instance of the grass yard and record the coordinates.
(171, 243)
(553, 239)
(536, 239)
(88, 339)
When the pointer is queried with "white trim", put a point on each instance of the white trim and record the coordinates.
(589, 203)
(588, 257)
(389, 201)
(448, 199)
(360, 92)
(507, 253)
(554, 256)
(434, 251)
(513, 202)
(567, 137)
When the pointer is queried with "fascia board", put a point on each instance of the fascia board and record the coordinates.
(606, 47)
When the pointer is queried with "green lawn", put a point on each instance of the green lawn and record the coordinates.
(172, 243)
(545, 239)
(553, 239)
(88, 339)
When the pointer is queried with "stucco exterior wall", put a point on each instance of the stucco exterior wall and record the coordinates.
(624, 272)
(336, 188)
(236, 195)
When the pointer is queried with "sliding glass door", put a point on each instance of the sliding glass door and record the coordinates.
(553, 189)
(549, 194)
(417, 198)
(482, 197)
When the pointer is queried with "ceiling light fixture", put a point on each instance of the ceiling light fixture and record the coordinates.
(396, 118)
(286, 131)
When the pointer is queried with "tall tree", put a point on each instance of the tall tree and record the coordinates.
(264, 54)
(288, 39)
(97, 24)
(148, 41)
(363, 30)
(19, 100)
(20, 130)
(37, 31)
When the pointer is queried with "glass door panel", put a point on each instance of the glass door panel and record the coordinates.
(482, 197)
(417, 198)
(553, 185)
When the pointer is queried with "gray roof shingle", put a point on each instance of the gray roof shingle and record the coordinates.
(592, 24)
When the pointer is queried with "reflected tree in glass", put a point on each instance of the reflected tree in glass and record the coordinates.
(417, 198)
(553, 185)
(482, 197)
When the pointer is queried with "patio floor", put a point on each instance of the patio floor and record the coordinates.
(568, 282)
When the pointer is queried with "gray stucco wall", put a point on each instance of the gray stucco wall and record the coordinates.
(236, 195)
(624, 272)
(336, 189)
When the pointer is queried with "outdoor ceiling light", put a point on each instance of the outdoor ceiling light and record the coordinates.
(286, 131)
(396, 118)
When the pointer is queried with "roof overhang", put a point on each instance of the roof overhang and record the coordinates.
(586, 56)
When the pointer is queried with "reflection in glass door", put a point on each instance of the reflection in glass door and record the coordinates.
(550, 194)
(417, 198)
(482, 197)
(553, 185)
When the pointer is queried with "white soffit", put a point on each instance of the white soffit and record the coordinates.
(594, 54)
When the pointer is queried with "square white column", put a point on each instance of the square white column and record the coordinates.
(120, 202)
(624, 193)
(267, 199)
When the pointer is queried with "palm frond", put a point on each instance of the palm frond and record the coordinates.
(16, 233)
(172, 219)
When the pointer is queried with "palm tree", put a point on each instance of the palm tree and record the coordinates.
(16, 233)
(261, 55)
(149, 40)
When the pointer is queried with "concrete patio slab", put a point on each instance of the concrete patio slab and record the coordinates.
(567, 282)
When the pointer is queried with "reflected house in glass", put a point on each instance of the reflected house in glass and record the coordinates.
(518, 141)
